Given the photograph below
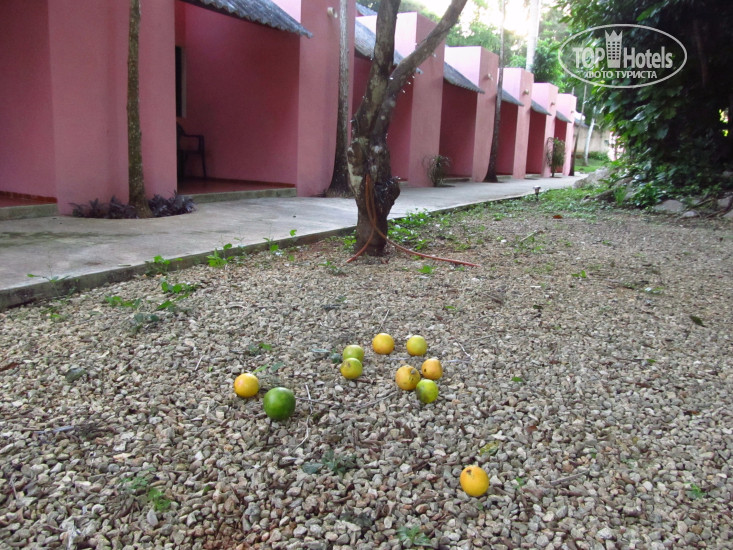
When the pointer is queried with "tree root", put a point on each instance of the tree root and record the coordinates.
(372, 220)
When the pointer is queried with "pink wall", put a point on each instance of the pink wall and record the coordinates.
(468, 120)
(242, 95)
(318, 95)
(70, 72)
(414, 134)
(26, 117)
(566, 105)
(513, 142)
(458, 129)
(541, 127)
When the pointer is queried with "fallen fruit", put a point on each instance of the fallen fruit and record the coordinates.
(426, 390)
(474, 480)
(432, 369)
(246, 385)
(407, 377)
(416, 345)
(279, 403)
(353, 350)
(383, 344)
(351, 368)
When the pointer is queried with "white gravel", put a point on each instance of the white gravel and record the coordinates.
(587, 366)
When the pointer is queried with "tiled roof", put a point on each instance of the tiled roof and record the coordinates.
(455, 77)
(509, 98)
(364, 41)
(562, 118)
(540, 109)
(264, 12)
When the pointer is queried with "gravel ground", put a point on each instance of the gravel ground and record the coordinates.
(587, 367)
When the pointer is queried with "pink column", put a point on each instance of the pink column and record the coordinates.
(414, 134)
(515, 120)
(468, 143)
(542, 127)
(318, 93)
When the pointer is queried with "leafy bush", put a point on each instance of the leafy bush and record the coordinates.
(117, 210)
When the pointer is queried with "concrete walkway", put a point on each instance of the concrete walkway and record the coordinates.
(66, 253)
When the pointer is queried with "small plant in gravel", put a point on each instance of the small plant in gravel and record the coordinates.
(143, 319)
(426, 269)
(118, 301)
(219, 258)
(336, 464)
(695, 492)
(413, 535)
(332, 268)
(182, 290)
(157, 498)
(159, 266)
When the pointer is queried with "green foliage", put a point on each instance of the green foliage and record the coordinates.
(555, 154)
(672, 132)
(696, 492)
(118, 301)
(219, 258)
(413, 535)
(159, 266)
(438, 166)
(336, 464)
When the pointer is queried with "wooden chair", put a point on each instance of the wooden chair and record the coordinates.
(188, 145)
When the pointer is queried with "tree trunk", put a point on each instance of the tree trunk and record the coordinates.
(494, 154)
(534, 30)
(588, 137)
(340, 179)
(370, 172)
(136, 180)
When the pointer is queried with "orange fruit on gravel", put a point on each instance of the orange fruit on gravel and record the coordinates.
(279, 403)
(432, 369)
(383, 344)
(407, 377)
(351, 368)
(474, 480)
(353, 350)
(416, 345)
(426, 390)
(246, 385)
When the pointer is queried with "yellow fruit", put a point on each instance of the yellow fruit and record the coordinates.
(407, 377)
(246, 385)
(383, 344)
(351, 368)
(474, 481)
(432, 369)
(416, 345)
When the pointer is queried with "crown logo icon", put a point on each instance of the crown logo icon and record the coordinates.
(613, 49)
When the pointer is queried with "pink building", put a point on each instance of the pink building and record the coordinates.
(253, 83)
(257, 78)
(414, 134)
(467, 120)
(514, 124)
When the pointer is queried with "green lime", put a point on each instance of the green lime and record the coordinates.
(426, 390)
(279, 403)
(353, 350)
